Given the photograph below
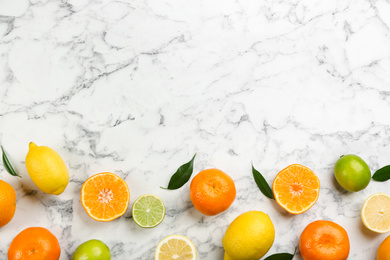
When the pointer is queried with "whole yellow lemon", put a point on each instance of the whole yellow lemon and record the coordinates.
(249, 236)
(47, 169)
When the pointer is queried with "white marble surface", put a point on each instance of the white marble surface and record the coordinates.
(138, 87)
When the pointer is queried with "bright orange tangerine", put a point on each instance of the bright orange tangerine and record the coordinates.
(324, 239)
(105, 196)
(212, 191)
(296, 188)
(34, 243)
(7, 203)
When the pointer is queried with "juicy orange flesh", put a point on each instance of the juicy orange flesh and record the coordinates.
(105, 196)
(175, 249)
(380, 206)
(296, 188)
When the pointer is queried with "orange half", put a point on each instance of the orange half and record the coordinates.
(296, 188)
(105, 196)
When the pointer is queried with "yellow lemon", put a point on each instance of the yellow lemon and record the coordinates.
(249, 236)
(47, 169)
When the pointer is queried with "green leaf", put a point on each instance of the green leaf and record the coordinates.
(181, 176)
(282, 256)
(383, 174)
(7, 165)
(262, 183)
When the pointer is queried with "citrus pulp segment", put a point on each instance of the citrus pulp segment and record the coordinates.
(296, 188)
(375, 212)
(175, 247)
(105, 196)
(148, 211)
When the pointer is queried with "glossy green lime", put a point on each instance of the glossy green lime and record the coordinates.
(352, 173)
(92, 250)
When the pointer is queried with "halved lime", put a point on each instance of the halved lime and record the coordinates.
(148, 211)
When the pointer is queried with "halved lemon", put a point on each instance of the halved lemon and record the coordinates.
(296, 188)
(175, 247)
(375, 212)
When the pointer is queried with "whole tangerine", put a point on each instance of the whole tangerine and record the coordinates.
(383, 252)
(212, 191)
(324, 239)
(34, 243)
(7, 203)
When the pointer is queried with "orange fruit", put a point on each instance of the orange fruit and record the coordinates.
(105, 196)
(34, 243)
(212, 191)
(324, 239)
(7, 203)
(383, 252)
(296, 188)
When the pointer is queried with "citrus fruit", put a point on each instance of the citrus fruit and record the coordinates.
(383, 252)
(105, 196)
(352, 173)
(148, 211)
(249, 236)
(7, 203)
(34, 243)
(92, 250)
(296, 188)
(324, 239)
(212, 191)
(175, 247)
(47, 169)
(375, 212)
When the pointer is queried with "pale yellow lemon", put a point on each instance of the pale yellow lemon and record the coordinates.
(249, 236)
(47, 169)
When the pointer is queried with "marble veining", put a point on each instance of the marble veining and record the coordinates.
(137, 87)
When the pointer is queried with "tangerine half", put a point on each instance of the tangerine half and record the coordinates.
(296, 188)
(105, 196)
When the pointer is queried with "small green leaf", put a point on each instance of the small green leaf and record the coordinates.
(7, 165)
(181, 176)
(282, 256)
(383, 174)
(262, 183)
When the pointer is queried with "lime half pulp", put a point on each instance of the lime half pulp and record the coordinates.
(148, 211)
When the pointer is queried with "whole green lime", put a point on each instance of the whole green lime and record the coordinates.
(352, 173)
(92, 250)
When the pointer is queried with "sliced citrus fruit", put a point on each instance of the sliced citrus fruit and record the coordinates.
(296, 188)
(375, 212)
(175, 247)
(148, 211)
(105, 196)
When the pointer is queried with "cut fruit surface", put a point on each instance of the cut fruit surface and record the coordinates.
(296, 188)
(105, 196)
(375, 212)
(175, 247)
(148, 211)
